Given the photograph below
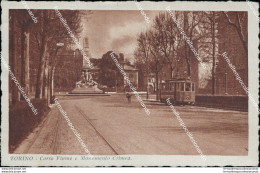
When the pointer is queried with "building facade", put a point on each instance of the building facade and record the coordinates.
(132, 74)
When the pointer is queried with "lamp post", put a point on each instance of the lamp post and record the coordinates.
(226, 79)
(51, 84)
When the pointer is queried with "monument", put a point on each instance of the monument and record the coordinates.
(87, 86)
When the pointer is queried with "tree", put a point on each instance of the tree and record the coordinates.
(169, 38)
(13, 53)
(142, 53)
(212, 16)
(24, 22)
(62, 36)
(109, 73)
(239, 23)
(47, 35)
(193, 30)
(157, 61)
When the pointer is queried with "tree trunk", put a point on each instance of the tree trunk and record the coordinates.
(189, 68)
(13, 57)
(157, 84)
(48, 86)
(39, 83)
(147, 84)
(147, 87)
(52, 85)
(27, 65)
(171, 70)
(213, 56)
(44, 81)
(186, 48)
(25, 61)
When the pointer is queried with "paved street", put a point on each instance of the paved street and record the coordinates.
(109, 126)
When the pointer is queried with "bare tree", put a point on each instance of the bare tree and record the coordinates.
(212, 16)
(239, 23)
(192, 29)
(157, 61)
(24, 22)
(166, 29)
(50, 32)
(143, 51)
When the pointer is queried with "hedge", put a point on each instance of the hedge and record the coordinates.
(22, 120)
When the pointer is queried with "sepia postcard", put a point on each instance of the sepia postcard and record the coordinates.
(129, 83)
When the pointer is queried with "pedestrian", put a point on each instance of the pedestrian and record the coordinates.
(128, 96)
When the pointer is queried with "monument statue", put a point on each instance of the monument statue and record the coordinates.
(86, 80)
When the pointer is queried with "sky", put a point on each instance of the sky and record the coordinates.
(115, 30)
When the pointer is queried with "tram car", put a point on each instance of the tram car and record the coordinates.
(180, 91)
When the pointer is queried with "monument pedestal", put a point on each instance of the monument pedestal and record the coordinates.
(87, 91)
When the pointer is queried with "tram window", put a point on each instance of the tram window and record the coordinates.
(172, 86)
(193, 86)
(182, 86)
(163, 86)
(188, 87)
(179, 86)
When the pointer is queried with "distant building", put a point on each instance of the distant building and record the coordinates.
(151, 82)
(230, 43)
(132, 74)
(130, 70)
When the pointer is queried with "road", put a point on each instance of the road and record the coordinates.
(110, 126)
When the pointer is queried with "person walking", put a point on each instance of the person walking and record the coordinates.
(128, 96)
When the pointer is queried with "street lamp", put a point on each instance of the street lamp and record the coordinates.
(225, 79)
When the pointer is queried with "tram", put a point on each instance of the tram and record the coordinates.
(180, 91)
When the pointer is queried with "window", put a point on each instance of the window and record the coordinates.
(179, 86)
(187, 86)
(182, 86)
(172, 87)
(193, 86)
(131, 75)
(163, 86)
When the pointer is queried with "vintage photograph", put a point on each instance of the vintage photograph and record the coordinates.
(111, 84)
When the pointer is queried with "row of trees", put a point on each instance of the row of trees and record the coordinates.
(163, 45)
(34, 45)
